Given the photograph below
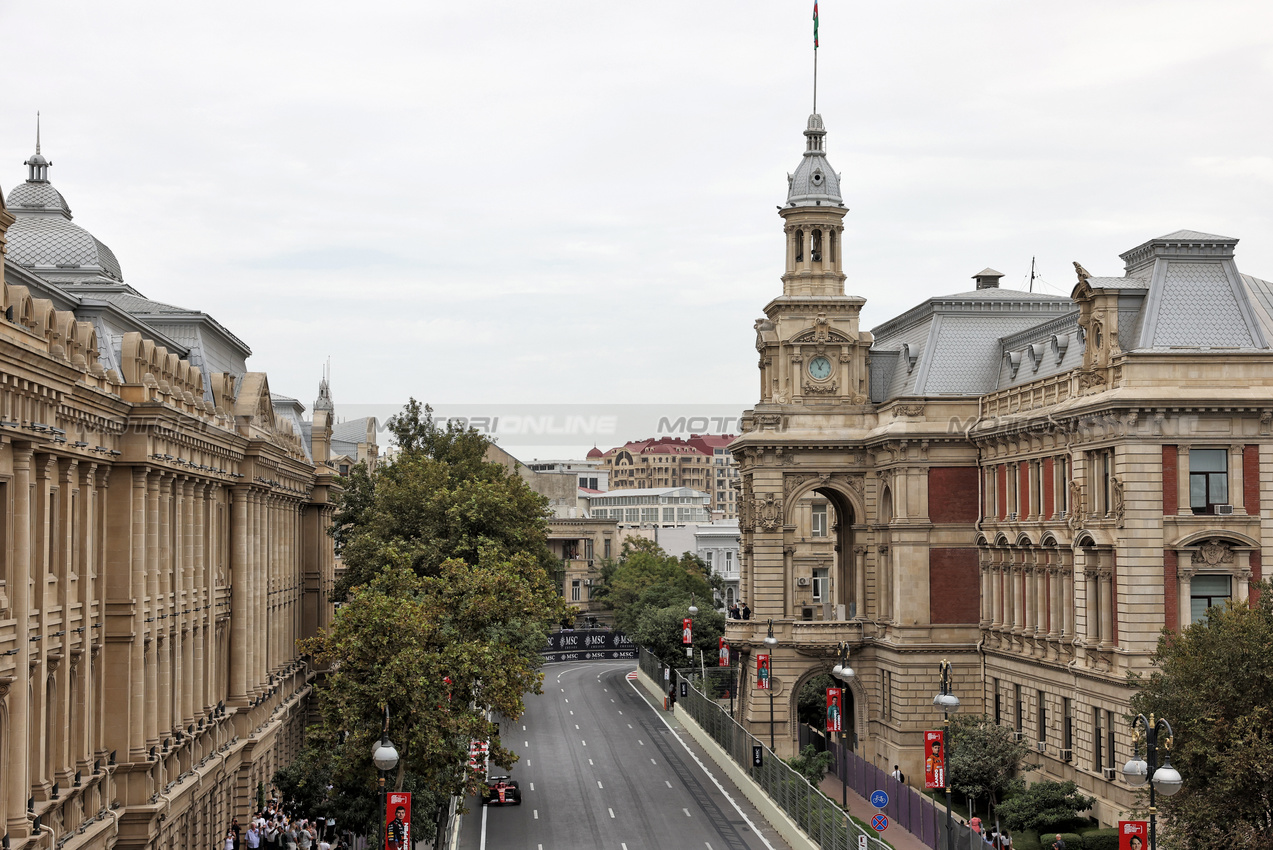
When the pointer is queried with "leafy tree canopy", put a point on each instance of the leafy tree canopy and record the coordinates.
(983, 757)
(659, 631)
(811, 703)
(811, 764)
(1214, 684)
(1045, 807)
(642, 567)
(437, 498)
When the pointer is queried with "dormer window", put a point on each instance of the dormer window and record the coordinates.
(817, 178)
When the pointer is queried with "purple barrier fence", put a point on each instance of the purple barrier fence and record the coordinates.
(906, 807)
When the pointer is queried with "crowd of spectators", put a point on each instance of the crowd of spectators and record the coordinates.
(272, 829)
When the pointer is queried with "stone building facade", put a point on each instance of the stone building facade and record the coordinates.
(162, 548)
(1029, 486)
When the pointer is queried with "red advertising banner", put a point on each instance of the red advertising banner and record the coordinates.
(398, 822)
(722, 657)
(1133, 834)
(687, 631)
(762, 672)
(835, 706)
(934, 759)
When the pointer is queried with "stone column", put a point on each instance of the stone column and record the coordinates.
(1068, 599)
(1029, 621)
(859, 579)
(1014, 577)
(1091, 598)
(239, 579)
(1056, 630)
(168, 566)
(17, 776)
(199, 597)
(996, 589)
(188, 601)
(1182, 480)
(152, 606)
(1042, 568)
(1107, 605)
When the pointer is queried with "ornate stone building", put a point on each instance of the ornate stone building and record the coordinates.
(162, 547)
(1030, 486)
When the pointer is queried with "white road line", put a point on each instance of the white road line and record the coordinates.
(622, 846)
(590, 764)
(639, 741)
(607, 690)
(563, 690)
(532, 786)
(576, 725)
(652, 761)
(572, 712)
(668, 784)
(482, 844)
(687, 812)
(702, 766)
(611, 811)
(611, 699)
(708, 843)
(621, 711)
(523, 728)
(567, 700)
(536, 814)
(599, 785)
(583, 742)
(528, 762)
(527, 744)
(629, 725)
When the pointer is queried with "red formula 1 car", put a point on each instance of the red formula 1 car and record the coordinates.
(501, 790)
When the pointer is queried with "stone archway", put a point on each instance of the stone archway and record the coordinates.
(848, 584)
(856, 705)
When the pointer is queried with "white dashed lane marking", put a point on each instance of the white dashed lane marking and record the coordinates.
(611, 811)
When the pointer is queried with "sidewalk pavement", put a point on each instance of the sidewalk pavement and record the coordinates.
(863, 810)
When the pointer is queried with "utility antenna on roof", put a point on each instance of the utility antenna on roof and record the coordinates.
(815, 56)
(1032, 274)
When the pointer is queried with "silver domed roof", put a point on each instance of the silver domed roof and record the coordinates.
(44, 238)
(814, 182)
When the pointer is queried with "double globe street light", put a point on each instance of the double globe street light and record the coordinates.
(385, 758)
(843, 673)
(949, 704)
(1165, 780)
(770, 643)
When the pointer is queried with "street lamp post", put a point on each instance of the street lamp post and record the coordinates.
(843, 672)
(385, 757)
(949, 704)
(1165, 780)
(689, 650)
(770, 643)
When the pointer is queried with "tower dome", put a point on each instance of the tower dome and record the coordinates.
(814, 182)
(44, 239)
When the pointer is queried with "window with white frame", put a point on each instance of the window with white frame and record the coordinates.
(819, 520)
(821, 583)
(575, 590)
(1208, 479)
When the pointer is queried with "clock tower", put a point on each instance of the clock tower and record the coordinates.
(811, 352)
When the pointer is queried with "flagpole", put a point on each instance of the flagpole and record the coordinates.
(815, 79)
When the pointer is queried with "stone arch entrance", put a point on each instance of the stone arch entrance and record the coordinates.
(855, 701)
(845, 560)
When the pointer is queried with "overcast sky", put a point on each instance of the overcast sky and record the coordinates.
(514, 202)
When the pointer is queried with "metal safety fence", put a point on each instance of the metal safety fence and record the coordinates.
(820, 817)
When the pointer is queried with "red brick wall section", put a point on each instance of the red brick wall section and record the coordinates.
(1049, 490)
(1257, 572)
(1170, 494)
(1251, 479)
(1170, 588)
(1002, 489)
(952, 494)
(954, 591)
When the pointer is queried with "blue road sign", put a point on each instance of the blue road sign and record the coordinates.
(879, 799)
(879, 823)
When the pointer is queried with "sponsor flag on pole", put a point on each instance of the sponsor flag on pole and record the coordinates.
(398, 822)
(815, 24)
(1133, 835)
(687, 631)
(835, 707)
(722, 656)
(934, 760)
(762, 672)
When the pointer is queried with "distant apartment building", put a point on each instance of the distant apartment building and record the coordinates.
(653, 507)
(589, 474)
(701, 463)
(716, 543)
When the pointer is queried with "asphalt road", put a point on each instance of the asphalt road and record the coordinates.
(600, 768)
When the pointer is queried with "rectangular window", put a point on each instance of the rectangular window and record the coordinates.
(575, 590)
(1039, 485)
(1097, 764)
(998, 703)
(888, 695)
(819, 520)
(710, 560)
(1111, 757)
(820, 582)
(588, 551)
(1063, 481)
(1205, 591)
(1208, 479)
(1107, 473)
(669, 514)
(631, 515)
(649, 515)
(1043, 717)
(729, 563)
(1020, 706)
(1067, 723)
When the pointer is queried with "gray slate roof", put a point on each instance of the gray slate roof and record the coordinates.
(814, 182)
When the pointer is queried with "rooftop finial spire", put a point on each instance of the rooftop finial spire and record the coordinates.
(37, 124)
(815, 56)
(37, 165)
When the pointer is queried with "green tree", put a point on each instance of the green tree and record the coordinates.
(811, 704)
(1045, 806)
(658, 629)
(811, 764)
(1214, 684)
(438, 498)
(983, 758)
(642, 567)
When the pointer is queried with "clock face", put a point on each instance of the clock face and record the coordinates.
(819, 368)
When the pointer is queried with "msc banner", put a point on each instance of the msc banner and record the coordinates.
(398, 822)
(588, 645)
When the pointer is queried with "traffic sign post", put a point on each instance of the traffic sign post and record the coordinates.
(879, 823)
(861, 842)
(879, 799)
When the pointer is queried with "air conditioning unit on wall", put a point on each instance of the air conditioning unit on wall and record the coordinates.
(802, 581)
(1041, 746)
(1224, 510)
(1109, 773)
